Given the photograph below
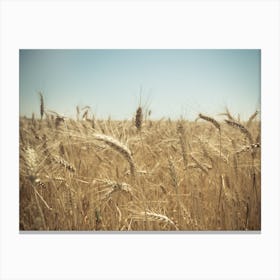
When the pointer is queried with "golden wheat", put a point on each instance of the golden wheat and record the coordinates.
(188, 176)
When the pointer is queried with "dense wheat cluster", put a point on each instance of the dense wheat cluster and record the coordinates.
(91, 174)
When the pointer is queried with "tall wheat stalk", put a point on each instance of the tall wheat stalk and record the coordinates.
(182, 138)
(42, 107)
(218, 126)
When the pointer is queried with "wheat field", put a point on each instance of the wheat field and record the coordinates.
(88, 174)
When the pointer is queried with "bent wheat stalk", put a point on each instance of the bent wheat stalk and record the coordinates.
(242, 129)
(64, 163)
(218, 126)
(211, 120)
(153, 216)
(119, 147)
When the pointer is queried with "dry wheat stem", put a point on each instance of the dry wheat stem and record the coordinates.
(40, 208)
(42, 199)
(181, 132)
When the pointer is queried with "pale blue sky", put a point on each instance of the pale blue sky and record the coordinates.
(174, 82)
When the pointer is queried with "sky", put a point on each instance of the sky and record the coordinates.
(170, 83)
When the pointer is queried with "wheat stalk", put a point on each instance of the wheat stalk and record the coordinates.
(247, 148)
(211, 120)
(153, 216)
(228, 114)
(110, 187)
(242, 128)
(252, 117)
(207, 148)
(173, 173)
(31, 163)
(78, 112)
(85, 115)
(119, 147)
(64, 163)
(139, 118)
(182, 139)
(42, 107)
(201, 166)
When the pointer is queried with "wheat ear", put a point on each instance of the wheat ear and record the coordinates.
(64, 163)
(31, 163)
(153, 216)
(211, 120)
(119, 147)
(110, 187)
(242, 128)
(42, 107)
(251, 147)
(139, 118)
(173, 173)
